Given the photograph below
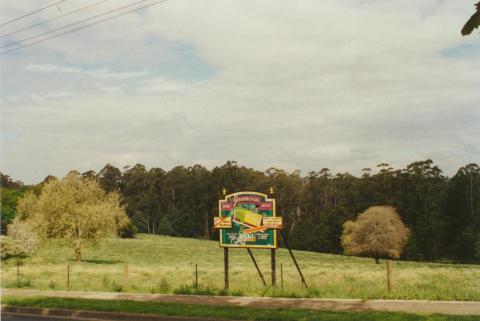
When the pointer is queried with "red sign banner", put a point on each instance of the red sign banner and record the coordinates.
(227, 206)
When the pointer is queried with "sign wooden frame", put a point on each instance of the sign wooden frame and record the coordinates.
(265, 207)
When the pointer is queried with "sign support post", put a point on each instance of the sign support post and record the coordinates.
(225, 262)
(293, 258)
(272, 251)
(256, 266)
(248, 220)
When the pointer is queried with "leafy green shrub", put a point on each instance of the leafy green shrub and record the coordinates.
(116, 287)
(185, 289)
(111, 284)
(128, 231)
(191, 289)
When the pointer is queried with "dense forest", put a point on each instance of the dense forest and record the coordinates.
(442, 213)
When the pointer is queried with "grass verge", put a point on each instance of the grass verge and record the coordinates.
(237, 313)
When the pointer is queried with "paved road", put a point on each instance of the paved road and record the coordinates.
(24, 317)
(12, 317)
(410, 306)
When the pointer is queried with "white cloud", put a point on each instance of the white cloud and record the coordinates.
(110, 89)
(95, 73)
(161, 84)
(50, 69)
(311, 84)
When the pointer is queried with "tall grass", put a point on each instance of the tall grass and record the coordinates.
(159, 264)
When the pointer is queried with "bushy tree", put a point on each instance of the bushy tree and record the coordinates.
(378, 232)
(110, 178)
(7, 182)
(75, 208)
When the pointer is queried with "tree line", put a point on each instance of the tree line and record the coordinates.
(442, 213)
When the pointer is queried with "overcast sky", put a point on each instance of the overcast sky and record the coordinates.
(343, 84)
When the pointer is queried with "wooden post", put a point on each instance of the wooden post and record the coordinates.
(68, 277)
(293, 258)
(125, 277)
(18, 272)
(389, 275)
(272, 251)
(281, 274)
(256, 266)
(225, 263)
(196, 277)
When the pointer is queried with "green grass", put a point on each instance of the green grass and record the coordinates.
(159, 264)
(237, 313)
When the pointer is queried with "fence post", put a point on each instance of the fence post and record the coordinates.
(18, 272)
(281, 274)
(125, 277)
(196, 277)
(389, 275)
(68, 277)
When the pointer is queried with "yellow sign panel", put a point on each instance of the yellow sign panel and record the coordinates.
(247, 217)
(222, 222)
(273, 222)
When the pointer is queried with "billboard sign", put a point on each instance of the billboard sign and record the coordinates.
(251, 221)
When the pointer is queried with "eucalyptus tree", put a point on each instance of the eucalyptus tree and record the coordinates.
(462, 210)
(473, 22)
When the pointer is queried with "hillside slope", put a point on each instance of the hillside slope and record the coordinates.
(162, 264)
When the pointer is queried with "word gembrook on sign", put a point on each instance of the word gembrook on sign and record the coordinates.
(247, 199)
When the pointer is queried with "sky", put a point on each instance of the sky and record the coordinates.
(342, 84)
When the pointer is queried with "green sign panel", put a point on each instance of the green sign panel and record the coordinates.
(248, 229)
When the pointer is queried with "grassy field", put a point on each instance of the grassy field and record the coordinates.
(237, 313)
(159, 264)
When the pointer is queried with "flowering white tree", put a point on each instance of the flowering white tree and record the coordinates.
(20, 242)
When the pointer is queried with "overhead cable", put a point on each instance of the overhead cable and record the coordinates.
(71, 24)
(53, 19)
(32, 13)
(80, 28)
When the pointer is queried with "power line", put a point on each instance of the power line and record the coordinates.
(56, 18)
(33, 12)
(82, 27)
(70, 25)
